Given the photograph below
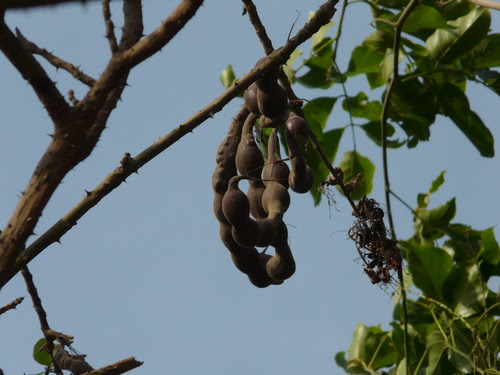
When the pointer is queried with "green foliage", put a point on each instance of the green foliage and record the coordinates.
(354, 164)
(41, 355)
(453, 325)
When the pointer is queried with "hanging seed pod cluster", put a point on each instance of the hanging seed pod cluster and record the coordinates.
(254, 219)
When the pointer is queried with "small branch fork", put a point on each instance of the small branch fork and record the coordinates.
(141, 51)
(77, 128)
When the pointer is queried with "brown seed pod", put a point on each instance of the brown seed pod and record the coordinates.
(301, 177)
(247, 260)
(246, 231)
(250, 98)
(249, 162)
(282, 265)
(275, 169)
(272, 100)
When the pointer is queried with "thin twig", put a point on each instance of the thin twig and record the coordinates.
(339, 30)
(260, 30)
(11, 305)
(56, 61)
(383, 124)
(383, 116)
(42, 315)
(16, 4)
(115, 178)
(110, 27)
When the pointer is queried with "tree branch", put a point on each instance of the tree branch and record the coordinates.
(260, 30)
(131, 165)
(117, 368)
(56, 61)
(110, 27)
(11, 305)
(13, 4)
(492, 4)
(42, 315)
(33, 73)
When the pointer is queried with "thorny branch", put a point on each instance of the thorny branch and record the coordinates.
(56, 61)
(110, 27)
(11, 305)
(115, 178)
(78, 128)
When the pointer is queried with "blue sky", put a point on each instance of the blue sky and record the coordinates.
(144, 273)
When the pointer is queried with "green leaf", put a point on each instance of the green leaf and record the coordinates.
(353, 164)
(320, 34)
(433, 224)
(487, 53)
(373, 346)
(460, 346)
(364, 59)
(490, 251)
(387, 65)
(412, 106)
(455, 105)
(373, 131)
(430, 266)
(316, 78)
(465, 241)
(448, 44)
(227, 76)
(435, 345)
(423, 17)
(317, 112)
(329, 141)
(465, 289)
(288, 67)
(423, 199)
(361, 106)
(41, 356)
(340, 360)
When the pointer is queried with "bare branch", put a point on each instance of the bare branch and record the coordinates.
(121, 63)
(33, 73)
(115, 178)
(492, 4)
(56, 61)
(118, 368)
(110, 27)
(260, 30)
(42, 315)
(11, 305)
(12, 4)
(132, 25)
